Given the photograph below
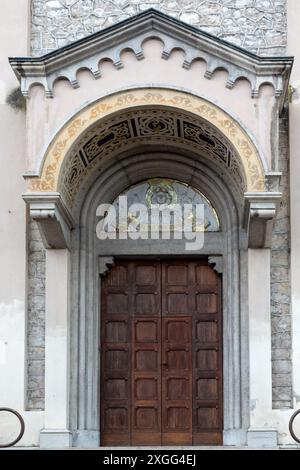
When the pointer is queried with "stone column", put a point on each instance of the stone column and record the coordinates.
(260, 349)
(56, 432)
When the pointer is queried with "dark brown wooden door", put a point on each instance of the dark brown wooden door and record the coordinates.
(161, 354)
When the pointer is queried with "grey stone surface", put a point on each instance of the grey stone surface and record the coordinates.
(55, 439)
(86, 439)
(256, 25)
(264, 438)
(35, 320)
(280, 284)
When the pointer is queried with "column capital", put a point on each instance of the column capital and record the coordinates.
(53, 218)
(259, 215)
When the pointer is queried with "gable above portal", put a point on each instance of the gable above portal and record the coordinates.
(108, 44)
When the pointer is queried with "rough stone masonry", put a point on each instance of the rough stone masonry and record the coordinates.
(256, 25)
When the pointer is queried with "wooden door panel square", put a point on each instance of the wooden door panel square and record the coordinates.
(146, 303)
(146, 331)
(116, 332)
(177, 303)
(177, 388)
(178, 418)
(146, 389)
(177, 331)
(116, 418)
(177, 275)
(146, 360)
(206, 331)
(115, 389)
(118, 276)
(207, 389)
(207, 303)
(206, 276)
(207, 360)
(177, 359)
(116, 360)
(207, 418)
(146, 418)
(146, 275)
(117, 303)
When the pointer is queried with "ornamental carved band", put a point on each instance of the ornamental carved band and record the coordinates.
(246, 160)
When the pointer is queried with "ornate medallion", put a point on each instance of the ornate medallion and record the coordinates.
(161, 192)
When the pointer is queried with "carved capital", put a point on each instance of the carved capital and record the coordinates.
(216, 262)
(105, 263)
(259, 216)
(54, 221)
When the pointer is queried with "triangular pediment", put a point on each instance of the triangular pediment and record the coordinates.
(130, 34)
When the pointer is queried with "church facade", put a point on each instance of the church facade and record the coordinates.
(136, 335)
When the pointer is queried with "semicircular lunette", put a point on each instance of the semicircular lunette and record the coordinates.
(147, 126)
(177, 197)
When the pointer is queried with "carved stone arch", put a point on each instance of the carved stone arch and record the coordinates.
(143, 130)
(61, 146)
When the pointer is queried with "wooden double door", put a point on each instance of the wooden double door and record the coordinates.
(161, 354)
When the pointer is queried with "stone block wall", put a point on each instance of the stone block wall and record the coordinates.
(280, 282)
(36, 265)
(256, 25)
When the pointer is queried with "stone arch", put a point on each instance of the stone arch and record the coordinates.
(86, 250)
(62, 145)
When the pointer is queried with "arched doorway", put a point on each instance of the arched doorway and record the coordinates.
(95, 257)
(92, 161)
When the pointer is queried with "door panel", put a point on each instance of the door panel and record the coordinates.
(207, 360)
(146, 381)
(177, 380)
(161, 354)
(115, 357)
(145, 288)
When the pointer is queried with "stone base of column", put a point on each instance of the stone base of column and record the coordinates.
(86, 439)
(55, 438)
(234, 437)
(262, 437)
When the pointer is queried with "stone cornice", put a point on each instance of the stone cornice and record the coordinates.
(131, 33)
